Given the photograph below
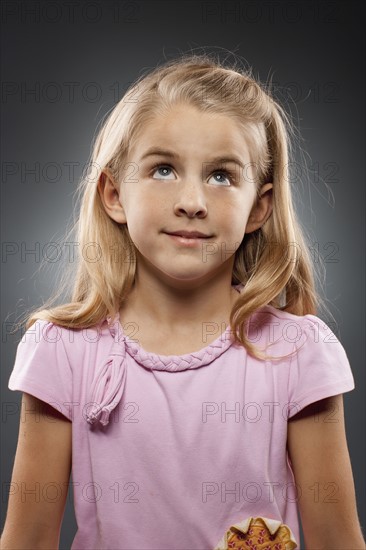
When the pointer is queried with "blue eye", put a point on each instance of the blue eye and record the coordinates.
(225, 172)
(161, 167)
(165, 167)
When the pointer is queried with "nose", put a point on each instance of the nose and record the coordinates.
(191, 200)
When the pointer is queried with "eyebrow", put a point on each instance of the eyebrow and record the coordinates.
(158, 151)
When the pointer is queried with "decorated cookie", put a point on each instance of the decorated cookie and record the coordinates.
(258, 534)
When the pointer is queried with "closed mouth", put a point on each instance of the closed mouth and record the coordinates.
(190, 235)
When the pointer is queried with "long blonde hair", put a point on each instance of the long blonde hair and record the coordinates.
(273, 262)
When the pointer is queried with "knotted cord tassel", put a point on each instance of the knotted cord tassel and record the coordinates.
(108, 385)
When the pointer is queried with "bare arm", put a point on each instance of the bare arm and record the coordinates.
(320, 460)
(42, 465)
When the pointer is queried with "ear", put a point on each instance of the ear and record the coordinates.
(261, 210)
(110, 194)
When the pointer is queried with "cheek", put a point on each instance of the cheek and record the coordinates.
(145, 215)
(232, 215)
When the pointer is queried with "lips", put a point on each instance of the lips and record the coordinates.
(189, 234)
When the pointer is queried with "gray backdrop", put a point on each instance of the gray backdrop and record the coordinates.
(64, 66)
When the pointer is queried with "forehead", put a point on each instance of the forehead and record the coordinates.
(183, 128)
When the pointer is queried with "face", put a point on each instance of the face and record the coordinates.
(160, 194)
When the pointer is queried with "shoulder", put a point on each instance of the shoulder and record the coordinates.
(290, 338)
(48, 337)
(268, 313)
(56, 363)
(291, 327)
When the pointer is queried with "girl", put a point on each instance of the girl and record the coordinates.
(188, 382)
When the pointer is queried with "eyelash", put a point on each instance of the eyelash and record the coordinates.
(228, 173)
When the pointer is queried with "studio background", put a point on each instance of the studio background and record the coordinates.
(66, 64)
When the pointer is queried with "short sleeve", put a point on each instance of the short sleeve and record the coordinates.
(42, 368)
(320, 368)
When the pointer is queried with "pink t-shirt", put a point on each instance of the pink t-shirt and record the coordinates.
(169, 451)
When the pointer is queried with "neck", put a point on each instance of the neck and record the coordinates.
(177, 309)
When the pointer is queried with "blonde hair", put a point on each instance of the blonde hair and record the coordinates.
(271, 276)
